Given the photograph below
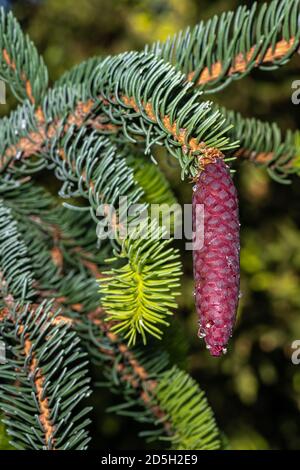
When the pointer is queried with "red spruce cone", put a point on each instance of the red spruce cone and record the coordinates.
(216, 262)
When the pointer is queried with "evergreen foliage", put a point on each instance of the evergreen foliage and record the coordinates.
(94, 130)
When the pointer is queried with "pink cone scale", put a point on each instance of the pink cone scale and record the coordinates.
(216, 258)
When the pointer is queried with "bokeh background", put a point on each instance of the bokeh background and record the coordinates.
(254, 389)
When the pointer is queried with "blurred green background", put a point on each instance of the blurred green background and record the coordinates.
(255, 389)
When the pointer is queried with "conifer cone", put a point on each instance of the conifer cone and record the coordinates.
(216, 258)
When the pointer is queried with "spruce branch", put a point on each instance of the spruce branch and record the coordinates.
(187, 408)
(26, 151)
(151, 300)
(26, 132)
(177, 120)
(14, 261)
(35, 376)
(255, 24)
(145, 376)
(132, 369)
(43, 381)
(159, 106)
(91, 167)
(264, 144)
(56, 244)
(228, 47)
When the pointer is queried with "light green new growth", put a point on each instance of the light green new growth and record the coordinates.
(139, 295)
